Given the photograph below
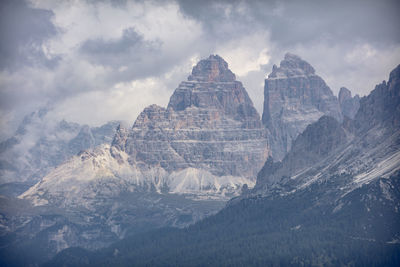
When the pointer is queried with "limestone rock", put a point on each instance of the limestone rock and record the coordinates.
(209, 124)
(294, 97)
(382, 105)
(317, 141)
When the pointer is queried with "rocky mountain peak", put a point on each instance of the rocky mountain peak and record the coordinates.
(349, 105)
(210, 122)
(212, 69)
(292, 65)
(212, 86)
(294, 97)
(394, 80)
(149, 114)
(382, 105)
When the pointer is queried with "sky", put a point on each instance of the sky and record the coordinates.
(95, 61)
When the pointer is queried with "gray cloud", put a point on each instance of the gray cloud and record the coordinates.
(130, 56)
(23, 30)
(344, 40)
(293, 22)
(130, 40)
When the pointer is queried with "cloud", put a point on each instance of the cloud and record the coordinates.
(344, 40)
(102, 48)
(95, 61)
(23, 31)
(305, 21)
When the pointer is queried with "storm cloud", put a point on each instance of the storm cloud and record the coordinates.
(94, 61)
(23, 31)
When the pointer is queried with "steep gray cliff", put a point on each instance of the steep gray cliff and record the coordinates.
(294, 97)
(210, 123)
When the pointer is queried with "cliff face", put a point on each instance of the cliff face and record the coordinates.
(294, 97)
(318, 141)
(381, 106)
(210, 123)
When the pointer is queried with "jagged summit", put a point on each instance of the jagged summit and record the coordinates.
(382, 105)
(349, 156)
(211, 125)
(212, 86)
(294, 97)
(292, 65)
(212, 69)
(349, 105)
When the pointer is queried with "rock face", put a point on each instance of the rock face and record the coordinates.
(348, 105)
(294, 97)
(41, 144)
(382, 106)
(318, 140)
(210, 123)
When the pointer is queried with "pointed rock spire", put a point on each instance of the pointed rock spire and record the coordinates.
(294, 97)
(349, 105)
(292, 65)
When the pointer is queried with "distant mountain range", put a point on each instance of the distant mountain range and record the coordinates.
(40, 144)
(324, 170)
(333, 200)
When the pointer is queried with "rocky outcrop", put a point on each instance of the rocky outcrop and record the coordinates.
(348, 105)
(294, 97)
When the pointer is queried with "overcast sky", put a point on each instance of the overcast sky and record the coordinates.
(95, 61)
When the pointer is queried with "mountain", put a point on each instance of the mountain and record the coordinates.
(210, 123)
(40, 144)
(294, 97)
(357, 152)
(209, 139)
(333, 200)
(348, 105)
(175, 166)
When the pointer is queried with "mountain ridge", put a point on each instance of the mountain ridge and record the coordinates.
(341, 207)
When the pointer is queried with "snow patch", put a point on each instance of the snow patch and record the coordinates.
(383, 169)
